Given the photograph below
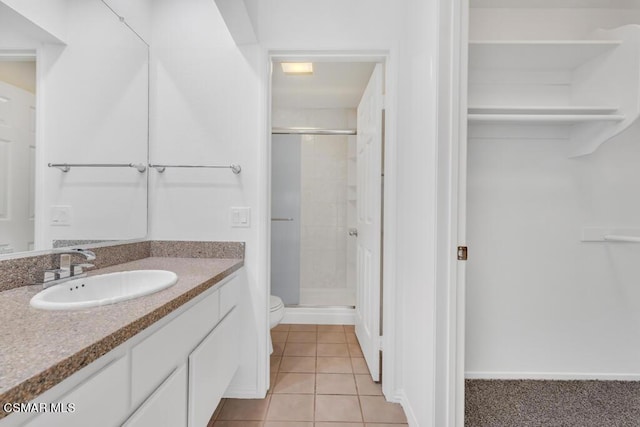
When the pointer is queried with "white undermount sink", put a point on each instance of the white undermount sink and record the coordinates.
(103, 289)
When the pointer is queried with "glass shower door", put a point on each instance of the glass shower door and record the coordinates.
(285, 218)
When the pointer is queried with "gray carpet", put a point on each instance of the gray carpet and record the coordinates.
(528, 403)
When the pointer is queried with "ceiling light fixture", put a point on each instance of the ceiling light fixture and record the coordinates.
(297, 67)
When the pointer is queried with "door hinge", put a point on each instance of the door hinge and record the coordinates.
(462, 253)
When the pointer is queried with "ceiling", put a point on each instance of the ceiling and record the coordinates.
(332, 85)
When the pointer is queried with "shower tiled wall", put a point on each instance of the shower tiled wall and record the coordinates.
(324, 212)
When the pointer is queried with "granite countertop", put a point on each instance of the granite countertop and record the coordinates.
(40, 348)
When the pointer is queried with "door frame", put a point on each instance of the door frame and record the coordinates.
(452, 211)
(388, 278)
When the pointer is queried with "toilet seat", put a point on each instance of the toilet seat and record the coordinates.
(275, 303)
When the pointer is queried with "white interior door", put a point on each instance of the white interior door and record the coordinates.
(369, 220)
(17, 168)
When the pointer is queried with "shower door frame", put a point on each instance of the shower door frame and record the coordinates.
(388, 297)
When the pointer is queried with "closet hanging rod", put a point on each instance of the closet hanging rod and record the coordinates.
(234, 167)
(66, 167)
(620, 238)
(312, 131)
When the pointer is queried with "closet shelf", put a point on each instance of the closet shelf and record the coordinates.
(542, 110)
(542, 114)
(536, 54)
(564, 119)
(590, 85)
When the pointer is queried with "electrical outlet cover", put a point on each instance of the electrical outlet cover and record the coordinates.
(61, 215)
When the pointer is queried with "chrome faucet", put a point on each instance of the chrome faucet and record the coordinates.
(66, 270)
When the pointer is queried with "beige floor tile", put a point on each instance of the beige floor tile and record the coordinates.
(335, 350)
(300, 349)
(292, 383)
(278, 349)
(272, 381)
(330, 328)
(244, 409)
(216, 413)
(279, 336)
(338, 408)
(332, 337)
(303, 328)
(350, 328)
(291, 407)
(359, 365)
(334, 365)
(237, 424)
(339, 425)
(302, 337)
(275, 363)
(376, 410)
(326, 378)
(288, 424)
(298, 364)
(354, 350)
(366, 386)
(335, 384)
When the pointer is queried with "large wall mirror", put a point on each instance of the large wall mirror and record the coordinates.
(73, 127)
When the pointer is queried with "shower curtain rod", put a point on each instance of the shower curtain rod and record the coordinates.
(312, 131)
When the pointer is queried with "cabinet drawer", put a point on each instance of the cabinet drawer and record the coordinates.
(158, 355)
(229, 295)
(100, 401)
(211, 368)
(167, 406)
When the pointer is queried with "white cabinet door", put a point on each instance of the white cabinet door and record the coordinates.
(229, 295)
(158, 355)
(211, 367)
(100, 401)
(167, 406)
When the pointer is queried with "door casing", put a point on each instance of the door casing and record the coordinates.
(389, 385)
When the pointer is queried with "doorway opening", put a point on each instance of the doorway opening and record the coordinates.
(326, 194)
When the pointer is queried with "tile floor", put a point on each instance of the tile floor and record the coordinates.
(318, 379)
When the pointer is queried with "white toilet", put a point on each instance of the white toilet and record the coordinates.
(276, 313)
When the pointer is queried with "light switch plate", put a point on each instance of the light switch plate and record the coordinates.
(61, 215)
(240, 217)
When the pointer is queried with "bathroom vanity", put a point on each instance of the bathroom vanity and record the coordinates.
(164, 359)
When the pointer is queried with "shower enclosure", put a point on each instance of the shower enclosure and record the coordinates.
(313, 207)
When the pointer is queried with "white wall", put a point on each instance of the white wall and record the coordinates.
(210, 105)
(417, 137)
(206, 109)
(49, 15)
(541, 303)
(17, 32)
(545, 24)
(137, 15)
(94, 110)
